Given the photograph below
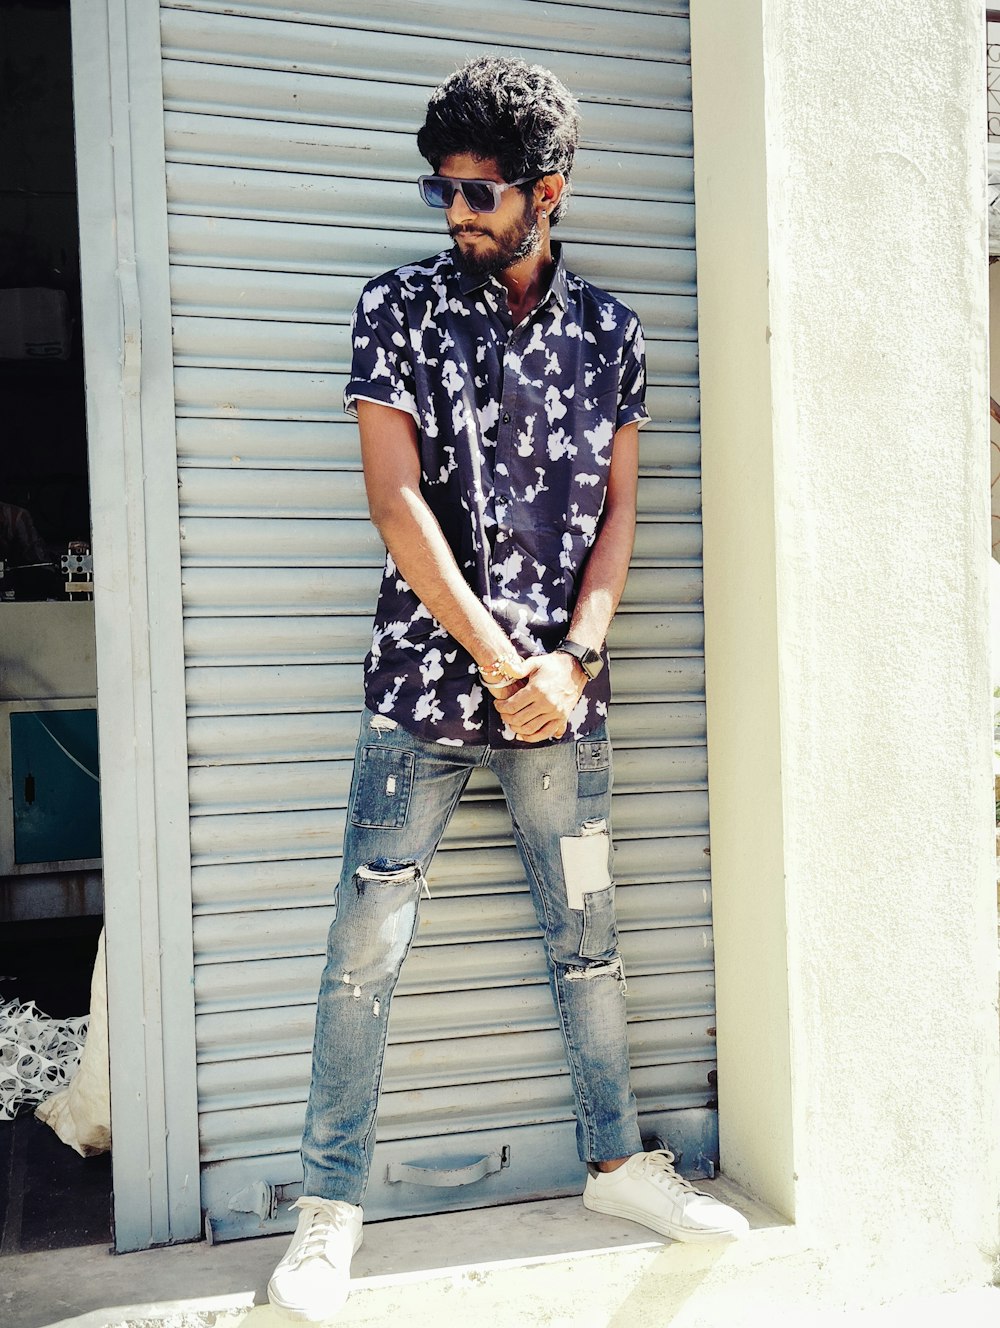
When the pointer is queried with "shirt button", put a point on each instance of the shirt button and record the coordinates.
(506, 418)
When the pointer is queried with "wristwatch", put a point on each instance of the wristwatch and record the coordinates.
(589, 660)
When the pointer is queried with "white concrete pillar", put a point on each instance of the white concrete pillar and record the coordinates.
(840, 184)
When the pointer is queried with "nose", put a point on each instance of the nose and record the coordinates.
(459, 210)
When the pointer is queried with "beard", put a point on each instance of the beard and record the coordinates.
(520, 240)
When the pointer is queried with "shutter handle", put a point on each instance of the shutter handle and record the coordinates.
(449, 1177)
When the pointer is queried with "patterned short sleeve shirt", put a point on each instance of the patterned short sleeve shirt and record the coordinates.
(515, 426)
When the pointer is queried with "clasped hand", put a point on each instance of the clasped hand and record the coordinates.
(538, 705)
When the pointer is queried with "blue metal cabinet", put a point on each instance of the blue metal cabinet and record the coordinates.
(54, 787)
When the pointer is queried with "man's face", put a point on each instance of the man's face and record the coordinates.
(489, 242)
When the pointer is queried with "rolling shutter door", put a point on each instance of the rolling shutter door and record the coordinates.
(291, 159)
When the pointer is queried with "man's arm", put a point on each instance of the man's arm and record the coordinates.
(555, 682)
(391, 459)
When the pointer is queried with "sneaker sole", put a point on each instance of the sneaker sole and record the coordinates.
(299, 1315)
(692, 1236)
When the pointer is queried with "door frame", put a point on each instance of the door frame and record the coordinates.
(118, 115)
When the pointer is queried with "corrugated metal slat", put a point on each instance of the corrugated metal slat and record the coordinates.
(219, 739)
(257, 984)
(446, 1015)
(302, 687)
(218, 592)
(261, 344)
(364, 251)
(232, 1084)
(310, 394)
(335, 494)
(276, 835)
(229, 191)
(256, 542)
(656, 77)
(301, 785)
(304, 445)
(253, 93)
(576, 27)
(509, 1103)
(307, 883)
(318, 300)
(227, 141)
(285, 640)
(444, 920)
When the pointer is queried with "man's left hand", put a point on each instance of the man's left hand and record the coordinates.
(542, 705)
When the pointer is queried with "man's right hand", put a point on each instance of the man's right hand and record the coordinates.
(539, 707)
(502, 691)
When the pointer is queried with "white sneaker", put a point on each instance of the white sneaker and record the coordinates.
(647, 1189)
(312, 1281)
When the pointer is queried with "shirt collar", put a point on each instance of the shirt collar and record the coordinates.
(557, 287)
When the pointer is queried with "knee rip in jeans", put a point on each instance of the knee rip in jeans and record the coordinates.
(386, 871)
(600, 968)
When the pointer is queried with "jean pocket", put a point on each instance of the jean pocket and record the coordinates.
(384, 783)
(593, 767)
(600, 931)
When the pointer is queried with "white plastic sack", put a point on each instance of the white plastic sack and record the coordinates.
(81, 1112)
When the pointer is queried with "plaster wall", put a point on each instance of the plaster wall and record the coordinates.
(995, 394)
(840, 195)
(48, 649)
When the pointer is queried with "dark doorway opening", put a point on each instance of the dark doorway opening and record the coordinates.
(50, 866)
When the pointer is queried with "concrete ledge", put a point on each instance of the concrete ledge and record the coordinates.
(549, 1264)
(511, 1264)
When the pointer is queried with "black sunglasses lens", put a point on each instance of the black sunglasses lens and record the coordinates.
(479, 196)
(436, 191)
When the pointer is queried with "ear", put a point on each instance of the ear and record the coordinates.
(548, 191)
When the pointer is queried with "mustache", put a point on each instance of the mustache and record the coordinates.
(456, 231)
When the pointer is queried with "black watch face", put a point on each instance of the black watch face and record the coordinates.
(589, 660)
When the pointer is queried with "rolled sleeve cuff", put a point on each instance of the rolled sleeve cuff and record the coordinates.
(382, 395)
(634, 414)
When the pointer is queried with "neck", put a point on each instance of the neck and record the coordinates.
(528, 280)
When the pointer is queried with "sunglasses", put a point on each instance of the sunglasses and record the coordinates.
(438, 191)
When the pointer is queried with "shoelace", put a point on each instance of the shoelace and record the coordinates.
(660, 1163)
(324, 1222)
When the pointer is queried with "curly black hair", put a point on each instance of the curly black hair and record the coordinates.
(504, 109)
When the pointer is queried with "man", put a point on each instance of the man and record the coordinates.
(26, 571)
(499, 399)
(20, 544)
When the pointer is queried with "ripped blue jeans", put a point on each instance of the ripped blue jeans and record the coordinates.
(403, 793)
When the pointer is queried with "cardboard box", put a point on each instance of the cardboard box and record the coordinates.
(34, 324)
